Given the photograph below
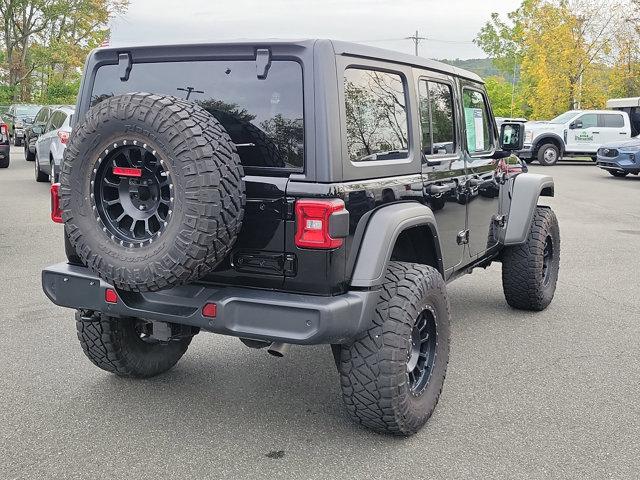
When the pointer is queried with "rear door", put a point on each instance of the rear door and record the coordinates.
(613, 127)
(443, 164)
(263, 115)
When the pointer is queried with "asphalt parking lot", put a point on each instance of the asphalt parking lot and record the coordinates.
(548, 395)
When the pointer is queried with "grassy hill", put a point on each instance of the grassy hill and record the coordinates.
(482, 66)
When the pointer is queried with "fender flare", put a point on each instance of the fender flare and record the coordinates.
(527, 188)
(383, 229)
(548, 136)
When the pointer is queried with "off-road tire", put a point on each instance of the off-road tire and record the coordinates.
(618, 174)
(373, 369)
(541, 155)
(523, 280)
(207, 185)
(39, 174)
(113, 344)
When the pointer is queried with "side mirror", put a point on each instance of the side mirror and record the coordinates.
(38, 129)
(512, 137)
(575, 125)
(28, 120)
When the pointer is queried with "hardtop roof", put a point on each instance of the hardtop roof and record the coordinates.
(339, 47)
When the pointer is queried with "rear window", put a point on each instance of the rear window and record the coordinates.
(376, 115)
(263, 117)
(613, 121)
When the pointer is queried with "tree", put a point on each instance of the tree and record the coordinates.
(504, 101)
(45, 42)
(562, 46)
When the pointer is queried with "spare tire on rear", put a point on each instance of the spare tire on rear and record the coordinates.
(151, 191)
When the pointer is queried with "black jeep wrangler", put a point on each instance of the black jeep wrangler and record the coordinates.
(310, 192)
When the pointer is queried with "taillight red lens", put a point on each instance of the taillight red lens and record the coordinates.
(56, 211)
(4, 130)
(63, 136)
(110, 296)
(312, 223)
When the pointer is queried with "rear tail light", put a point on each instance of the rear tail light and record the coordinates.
(313, 218)
(56, 211)
(4, 130)
(63, 136)
(110, 296)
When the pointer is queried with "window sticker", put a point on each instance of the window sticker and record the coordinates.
(474, 118)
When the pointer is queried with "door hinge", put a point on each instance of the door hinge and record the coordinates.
(289, 208)
(463, 237)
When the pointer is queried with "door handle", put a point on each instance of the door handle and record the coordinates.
(623, 133)
(440, 189)
(595, 132)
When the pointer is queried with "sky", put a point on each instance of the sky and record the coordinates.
(449, 25)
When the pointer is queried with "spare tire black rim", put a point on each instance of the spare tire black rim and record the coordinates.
(422, 353)
(132, 193)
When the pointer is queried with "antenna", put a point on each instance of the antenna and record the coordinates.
(416, 40)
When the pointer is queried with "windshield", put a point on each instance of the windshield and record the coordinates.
(264, 117)
(565, 117)
(27, 111)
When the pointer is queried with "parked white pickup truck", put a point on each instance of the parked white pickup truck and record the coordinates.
(577, 133)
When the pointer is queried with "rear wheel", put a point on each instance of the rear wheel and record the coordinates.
(4, 162)
(39, 174)
(548, 154)
(28, 155)
(17, 141)
(124, 347)
(618, 174)
(392, 375)
(53, 177)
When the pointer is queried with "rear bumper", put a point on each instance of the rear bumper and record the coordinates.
(241, 312)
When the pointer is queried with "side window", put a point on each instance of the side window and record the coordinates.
(436, 118)
(588, 120)
(478, 125)
(612, 121)
(52, 121)
(376, 115)
(44, 115)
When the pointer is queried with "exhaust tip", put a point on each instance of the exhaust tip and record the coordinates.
(278, 349)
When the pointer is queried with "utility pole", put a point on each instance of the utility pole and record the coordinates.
(189, 91)
(416, 40)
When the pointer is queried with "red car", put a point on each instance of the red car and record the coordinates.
(4, 144)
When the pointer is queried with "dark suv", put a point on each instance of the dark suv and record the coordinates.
(310, 192)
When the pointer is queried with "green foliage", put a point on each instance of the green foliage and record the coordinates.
(504, 101)
(484, 67)
(45, 43)
(570, 54)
